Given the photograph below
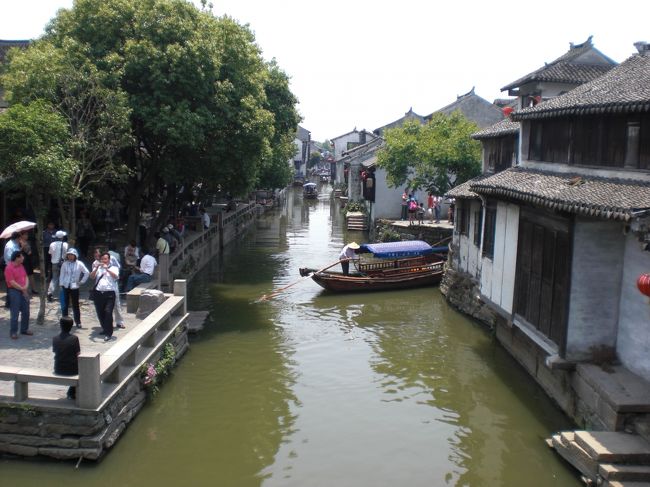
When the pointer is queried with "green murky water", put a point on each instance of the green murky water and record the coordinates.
(313, 389)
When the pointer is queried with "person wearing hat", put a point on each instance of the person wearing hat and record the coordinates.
(347, 254)
(57, 252)
(18, 292)
(73, 274)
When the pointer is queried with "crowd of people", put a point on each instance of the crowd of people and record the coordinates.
(413, 210)
(68, 268)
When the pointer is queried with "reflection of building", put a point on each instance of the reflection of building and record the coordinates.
(552, 247)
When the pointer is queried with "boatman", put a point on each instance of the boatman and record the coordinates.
(347, 254)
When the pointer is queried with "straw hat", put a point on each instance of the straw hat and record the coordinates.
(353, 245)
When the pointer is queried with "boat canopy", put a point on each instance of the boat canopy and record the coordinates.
(391, 250)
(308, 185)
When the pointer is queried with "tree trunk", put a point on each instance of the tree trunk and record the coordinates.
(39, 210)
(136, 190)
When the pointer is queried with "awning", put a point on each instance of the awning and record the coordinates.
(410, 248)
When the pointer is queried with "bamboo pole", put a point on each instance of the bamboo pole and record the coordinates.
(266, 297)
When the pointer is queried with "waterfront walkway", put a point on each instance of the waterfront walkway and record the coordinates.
(35, 352)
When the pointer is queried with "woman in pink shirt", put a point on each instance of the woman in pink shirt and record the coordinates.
(18, 292)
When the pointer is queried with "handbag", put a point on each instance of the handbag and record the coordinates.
(92, 294)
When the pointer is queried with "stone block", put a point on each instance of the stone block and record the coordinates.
(525, 352)
(150, 299)
(613, 420)
(554, 383)
(617, 471)
(70, 454)
(22, 450)
(576, 456)
(614, 447)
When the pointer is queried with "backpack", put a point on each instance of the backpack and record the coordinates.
(413, 205)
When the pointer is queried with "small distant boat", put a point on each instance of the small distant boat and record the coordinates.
(310, 190)
(386, 266)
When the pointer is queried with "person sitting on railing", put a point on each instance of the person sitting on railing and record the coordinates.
(143, 273)
(176, 237)
(66, 353)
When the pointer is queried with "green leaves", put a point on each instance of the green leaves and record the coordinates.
(33, 152)
(435, 156)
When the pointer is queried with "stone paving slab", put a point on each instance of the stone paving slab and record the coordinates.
(36, 351)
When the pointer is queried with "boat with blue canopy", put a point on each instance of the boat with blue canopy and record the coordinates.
(386, 266)
(310, 190)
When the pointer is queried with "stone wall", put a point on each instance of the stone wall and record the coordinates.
(431, 235)
(31, 429)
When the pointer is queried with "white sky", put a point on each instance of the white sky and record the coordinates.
(363, 64)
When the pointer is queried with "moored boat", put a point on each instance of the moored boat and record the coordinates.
(310, 190)
(386, 266)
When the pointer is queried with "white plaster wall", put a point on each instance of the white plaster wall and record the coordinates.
(509, 266)
(596, 274)
(498, 274)
(633, 341)
(473, 251)
(388, 201)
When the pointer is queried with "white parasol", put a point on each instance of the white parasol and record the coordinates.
(17, 227)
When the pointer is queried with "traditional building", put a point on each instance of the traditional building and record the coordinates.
(561, 239)
(408, 116)
(474, 108)
(344, 143)
(302, 142)
(580, 64)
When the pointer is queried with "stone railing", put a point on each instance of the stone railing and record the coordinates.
(168, 264)
(101, 376)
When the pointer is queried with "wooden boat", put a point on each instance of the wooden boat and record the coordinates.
(386, 266)
(309, 191)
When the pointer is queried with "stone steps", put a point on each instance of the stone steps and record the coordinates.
(356, 221)
(606, 458)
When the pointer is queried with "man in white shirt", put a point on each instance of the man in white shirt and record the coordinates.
(347, 254)
(58, 250)
(144, 273)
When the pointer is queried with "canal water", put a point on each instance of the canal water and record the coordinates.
(315, 389)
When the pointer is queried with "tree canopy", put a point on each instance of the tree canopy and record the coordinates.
(181, 97)
(436, 156)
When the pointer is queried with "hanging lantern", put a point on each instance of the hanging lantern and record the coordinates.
(507, 111)
(643, 283)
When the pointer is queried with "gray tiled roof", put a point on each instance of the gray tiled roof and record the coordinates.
(625, 88)
(499, 129)
(569, 68)
(609, 198)
(474, 108)
(463, 190)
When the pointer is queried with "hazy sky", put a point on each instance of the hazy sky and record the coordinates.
(363, 64)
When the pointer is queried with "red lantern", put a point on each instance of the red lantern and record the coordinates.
(643, 283)
(507, 111)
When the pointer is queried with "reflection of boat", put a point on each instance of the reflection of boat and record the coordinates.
(386, 266)
(309, 190)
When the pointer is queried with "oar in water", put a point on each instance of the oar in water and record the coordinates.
(266, 297)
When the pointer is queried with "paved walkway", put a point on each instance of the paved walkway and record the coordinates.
(426, 223)
(36, 351)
